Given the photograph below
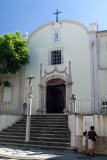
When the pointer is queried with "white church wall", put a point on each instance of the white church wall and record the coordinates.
(102, 50)
(77, 50)
(75, 43)
(14, 80)
(102, 85)
(76, 126)
(7, 120)
(102, 64)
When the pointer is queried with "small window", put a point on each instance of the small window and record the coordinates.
(56, 37)
(56, 57)
(104, 103)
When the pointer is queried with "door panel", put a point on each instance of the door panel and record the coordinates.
(56, 98)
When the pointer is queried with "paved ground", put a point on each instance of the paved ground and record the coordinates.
(35, 154)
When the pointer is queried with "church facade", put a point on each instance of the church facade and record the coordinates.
(68, 68)
(68, 62)
(60, 55)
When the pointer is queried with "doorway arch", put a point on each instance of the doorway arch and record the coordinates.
(56, 95)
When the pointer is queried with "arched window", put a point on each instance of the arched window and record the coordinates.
(56, 37)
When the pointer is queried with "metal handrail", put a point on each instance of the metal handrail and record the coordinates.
(79, 106)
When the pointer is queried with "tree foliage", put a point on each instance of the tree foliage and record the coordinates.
(13, 53)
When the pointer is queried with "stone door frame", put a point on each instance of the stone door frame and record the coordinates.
(43, 86)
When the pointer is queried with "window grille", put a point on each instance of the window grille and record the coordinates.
(55, 57)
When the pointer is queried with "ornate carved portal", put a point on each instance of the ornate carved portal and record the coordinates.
(55, 91)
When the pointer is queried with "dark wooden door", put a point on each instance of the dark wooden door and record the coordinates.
(56, 98)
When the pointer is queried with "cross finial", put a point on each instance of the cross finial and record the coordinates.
(57, 15)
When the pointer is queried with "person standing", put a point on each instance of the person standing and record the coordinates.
(84, 140)
(92, 138)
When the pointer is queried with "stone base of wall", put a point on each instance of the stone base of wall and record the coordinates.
(8, 120)
(100, 148)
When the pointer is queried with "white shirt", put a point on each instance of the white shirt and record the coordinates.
(84, 140)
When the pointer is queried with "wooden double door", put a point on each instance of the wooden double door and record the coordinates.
(56, 98)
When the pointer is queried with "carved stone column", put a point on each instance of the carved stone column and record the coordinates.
(68, 90)
(44, 98)
(73, 104)
(68, 95)
(40, 91)
(40, 99)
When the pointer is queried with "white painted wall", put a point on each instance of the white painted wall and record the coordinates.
(14, 80)
(7, 120)
(76, 126)
(74, 40)
(102, 50)
(102, 84)
(102, 65)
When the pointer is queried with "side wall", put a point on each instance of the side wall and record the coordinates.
(77, 128)
(14, 106)
(7, 120)
(102, 64)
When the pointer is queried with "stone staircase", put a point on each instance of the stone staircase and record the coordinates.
(48, 132)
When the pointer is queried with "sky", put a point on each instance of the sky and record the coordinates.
(28, 15)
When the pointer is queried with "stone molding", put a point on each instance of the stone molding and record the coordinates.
(60, 25)
(61, 74)
(55, 70)
(56, 26)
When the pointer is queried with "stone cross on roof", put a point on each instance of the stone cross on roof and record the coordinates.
(57, 15)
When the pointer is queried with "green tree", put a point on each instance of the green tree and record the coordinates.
(13, 53)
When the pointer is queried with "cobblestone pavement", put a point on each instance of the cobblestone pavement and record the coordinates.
(35, 154)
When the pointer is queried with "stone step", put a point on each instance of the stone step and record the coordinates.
(42, 125)
(63, 140)
(39, 134)
(36, 128)
(53, 115)
(27, 145)
(44, 122)
(48, 131)
(45, 118)
(49, 143)
(51, 139)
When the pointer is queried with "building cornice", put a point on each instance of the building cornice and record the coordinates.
(102, 33)
(61, 21)
(76, 23)
(39, 28)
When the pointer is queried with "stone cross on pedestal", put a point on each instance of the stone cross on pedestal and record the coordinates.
(28, 120)
(57, 15)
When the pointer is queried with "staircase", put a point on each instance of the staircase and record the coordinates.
(48, 132)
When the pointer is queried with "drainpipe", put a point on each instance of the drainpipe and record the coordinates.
(93, 100)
